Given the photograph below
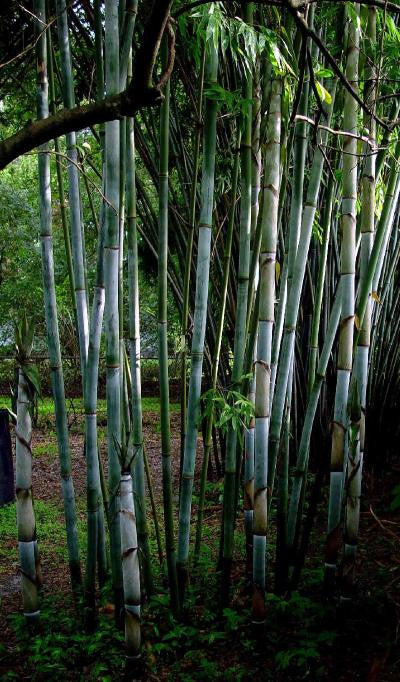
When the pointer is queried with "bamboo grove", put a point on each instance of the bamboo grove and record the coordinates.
(262, 184)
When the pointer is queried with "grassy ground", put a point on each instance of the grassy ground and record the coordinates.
(305, 637)
(46, 405)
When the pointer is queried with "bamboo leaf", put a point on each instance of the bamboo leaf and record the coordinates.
(323, 93)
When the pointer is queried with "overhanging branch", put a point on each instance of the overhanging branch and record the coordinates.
(67, 120)
(139, 94)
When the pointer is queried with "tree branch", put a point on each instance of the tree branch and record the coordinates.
(139, 94)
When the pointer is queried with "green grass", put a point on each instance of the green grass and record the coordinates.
(48, 449)
(50, 531)
(46, 405)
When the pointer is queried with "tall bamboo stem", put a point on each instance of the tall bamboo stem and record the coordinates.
(50, 303)
(356, 449)
(134, 337)
(229, 510)
(269, 238)
(200, 316)
(348, 265)
(217, 351)
(188, 264)
(111, 271)
(73, 187)
(163, 348)
(26, 523)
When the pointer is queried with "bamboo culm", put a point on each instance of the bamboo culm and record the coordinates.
(293, 303)
(26, 525)
(130, 568)
(50, 304)
(73, 188)
(348, 265)
(269, 218)
(229, 506)
(111, 278)
(163, 349)
(220, 328)
(200, 317)
(361, 361)
(134, 339)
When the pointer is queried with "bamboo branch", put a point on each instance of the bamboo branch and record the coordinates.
(364, 138)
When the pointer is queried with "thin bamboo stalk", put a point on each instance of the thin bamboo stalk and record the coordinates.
(293, 303)
(188, 265)
(134, 338)
(264, 346)
(217, 351)
(163, 348)
(111, 270)
(50, 304)
(358, 406)
(317, 308)
(200, 317)
(229, 506)
(300, 471)
(347, 275)
(60, 183)
(73, 187)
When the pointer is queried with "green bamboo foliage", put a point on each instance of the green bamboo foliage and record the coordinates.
(263, 355)
(163, 349)
(200, 316)
(73, 187)
(229, 507)
(111, 277)
(348, 264)
(50, 304)
(26, 524)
